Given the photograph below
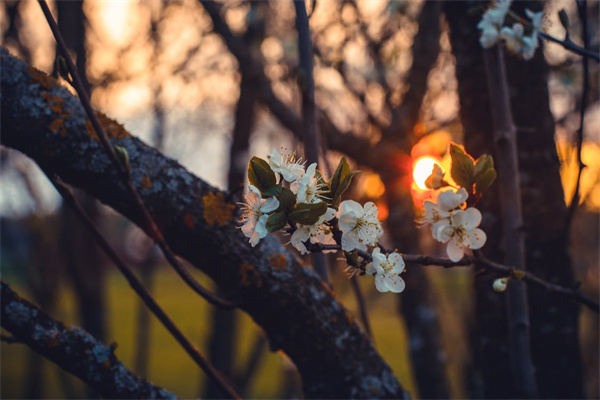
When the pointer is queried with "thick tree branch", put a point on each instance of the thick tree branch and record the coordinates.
(149, 224)
(299, 315)
(146, 297)
(74, 350)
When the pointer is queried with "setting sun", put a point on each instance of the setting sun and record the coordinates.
(422, 169)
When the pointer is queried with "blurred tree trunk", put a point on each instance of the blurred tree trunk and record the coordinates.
(11, 34)
(553, 321)
(222, 341)
(417, 303)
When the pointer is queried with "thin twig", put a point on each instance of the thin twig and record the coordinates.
(569, 45)
(151, 228)
(138, 287)
(582, 8)
(478, 259)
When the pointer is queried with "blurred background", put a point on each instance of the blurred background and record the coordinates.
(159, 68)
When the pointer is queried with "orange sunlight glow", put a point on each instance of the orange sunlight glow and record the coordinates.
(422, 169)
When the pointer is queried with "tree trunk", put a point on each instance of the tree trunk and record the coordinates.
(553, 321)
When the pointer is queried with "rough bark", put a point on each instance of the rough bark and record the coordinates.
(74, 350)
(553, 322)
(300, 316)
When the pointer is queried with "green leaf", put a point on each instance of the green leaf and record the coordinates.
(482, 164)
(340, 173)
(340, 181)
(122, 157)
(564, 19)
(260, 174)
(277, 221)
(273, 191)
(517, 274)
(337, 197)
(462, 167)
(353, 259)
(286, 198)
(308, 214)
(485, 181)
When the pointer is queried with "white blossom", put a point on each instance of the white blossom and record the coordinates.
(319, 232)
(517, 42)
(436, 179)
(438, 214)
(461, 231)
(387, 270)
(360, 226)
(286, 165)
(536, 19)
(308, 188)
(256, 214)
(491, 22)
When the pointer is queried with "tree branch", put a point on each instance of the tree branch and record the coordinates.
(152, 228)
(146, 297)
(74, 350)
(299, 315)
(479, 259)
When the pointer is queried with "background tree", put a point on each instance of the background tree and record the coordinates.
(390, 104)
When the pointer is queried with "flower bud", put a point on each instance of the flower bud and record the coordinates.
(500, 285)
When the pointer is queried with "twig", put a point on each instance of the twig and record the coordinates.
(480, 260)
(151, 227)
(569, 45)
(582, 8)
(138, 287)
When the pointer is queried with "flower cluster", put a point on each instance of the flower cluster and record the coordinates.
(514, 36)
(451, 221)
(453, 225)
(283, 195)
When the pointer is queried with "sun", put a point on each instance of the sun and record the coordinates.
(422, 169)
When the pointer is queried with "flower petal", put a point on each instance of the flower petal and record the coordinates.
(261, 226)
(380, 284)
(397, 263)
(298, 237)
(468, 219)
(474, 239)
(347, 221)
(395, 283)
(350, 241)
(370, 269)
(370, 210)
(448, 200)
(270, 204)
(351, 205)
(455, 250)
(443, 233)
